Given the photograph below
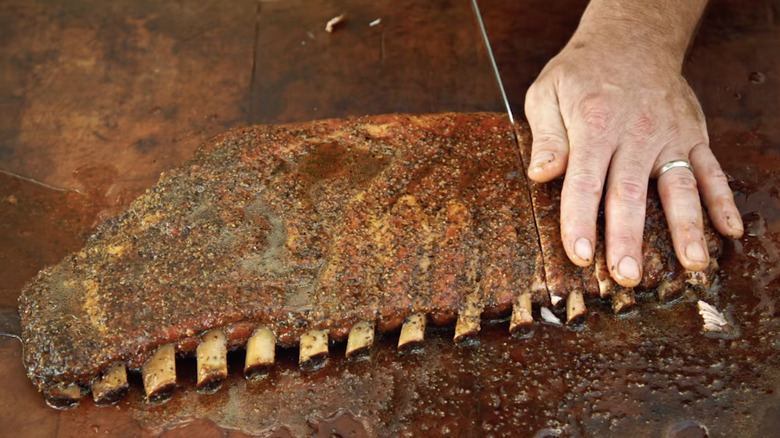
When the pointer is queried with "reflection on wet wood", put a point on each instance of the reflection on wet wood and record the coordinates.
(420, 57)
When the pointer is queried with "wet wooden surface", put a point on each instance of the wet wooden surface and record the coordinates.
(98, 98)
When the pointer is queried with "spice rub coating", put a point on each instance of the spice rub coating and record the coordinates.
(316, 226)
(299, 227)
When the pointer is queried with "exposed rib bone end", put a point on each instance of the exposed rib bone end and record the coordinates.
(260, 352)
(212, 360)
(412, 331)
(555, 300)
(159, 374)
(575, 307)
(111, 386)
(605, 282)
(468, 319)
(623, 300)
(522, 315)
(314, 348)
(63, 396)
(361, 337)
(670, 289)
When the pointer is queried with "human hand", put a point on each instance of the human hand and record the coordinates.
(609, 116)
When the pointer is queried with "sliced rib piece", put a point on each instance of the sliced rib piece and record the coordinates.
(561, 275)
(403, 238)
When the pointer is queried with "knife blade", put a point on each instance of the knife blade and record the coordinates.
(492, 58)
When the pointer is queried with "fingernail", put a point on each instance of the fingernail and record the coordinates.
(584, 249)
(628, 268)
(695, 252)
(541, 159)
(735, 224)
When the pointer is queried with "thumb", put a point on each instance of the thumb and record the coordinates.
(550, 147)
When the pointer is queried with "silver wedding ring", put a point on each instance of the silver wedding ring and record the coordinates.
(672, 164)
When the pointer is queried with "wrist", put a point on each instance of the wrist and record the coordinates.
(649, 32)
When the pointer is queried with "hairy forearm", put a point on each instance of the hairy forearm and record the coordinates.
(661, 29)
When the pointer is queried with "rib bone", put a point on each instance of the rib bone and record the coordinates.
(622, 299)
(575, 307)
(361, 336)
(413, 330)
(212, 360)
(260, 351)
(109, 387)
(468, 318)
(521, 312)
(314, 344)
(605, 282)
(159, 373)
(60, 396)
(670, 289)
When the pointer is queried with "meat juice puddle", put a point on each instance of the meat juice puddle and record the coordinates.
(41, 224)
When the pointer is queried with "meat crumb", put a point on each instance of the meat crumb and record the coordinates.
(331, 24)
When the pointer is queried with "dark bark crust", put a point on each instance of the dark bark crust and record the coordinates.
(308, 226)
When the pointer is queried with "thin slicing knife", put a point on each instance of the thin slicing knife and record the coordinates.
(492, 58)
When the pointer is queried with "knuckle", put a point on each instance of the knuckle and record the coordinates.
(716, 175)
(642, 126)
(629, 191)
(549, 140)
(537, 93)
(585, 184)
(683, 182)
(597, 114)
(711, 172)
(535, 88)
(623, 239)
(531, 97)
(700, 138)
(693, 134)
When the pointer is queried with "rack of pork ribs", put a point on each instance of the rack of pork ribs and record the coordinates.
(309, 233)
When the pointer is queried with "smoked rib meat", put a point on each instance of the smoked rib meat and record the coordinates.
(313, 226)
